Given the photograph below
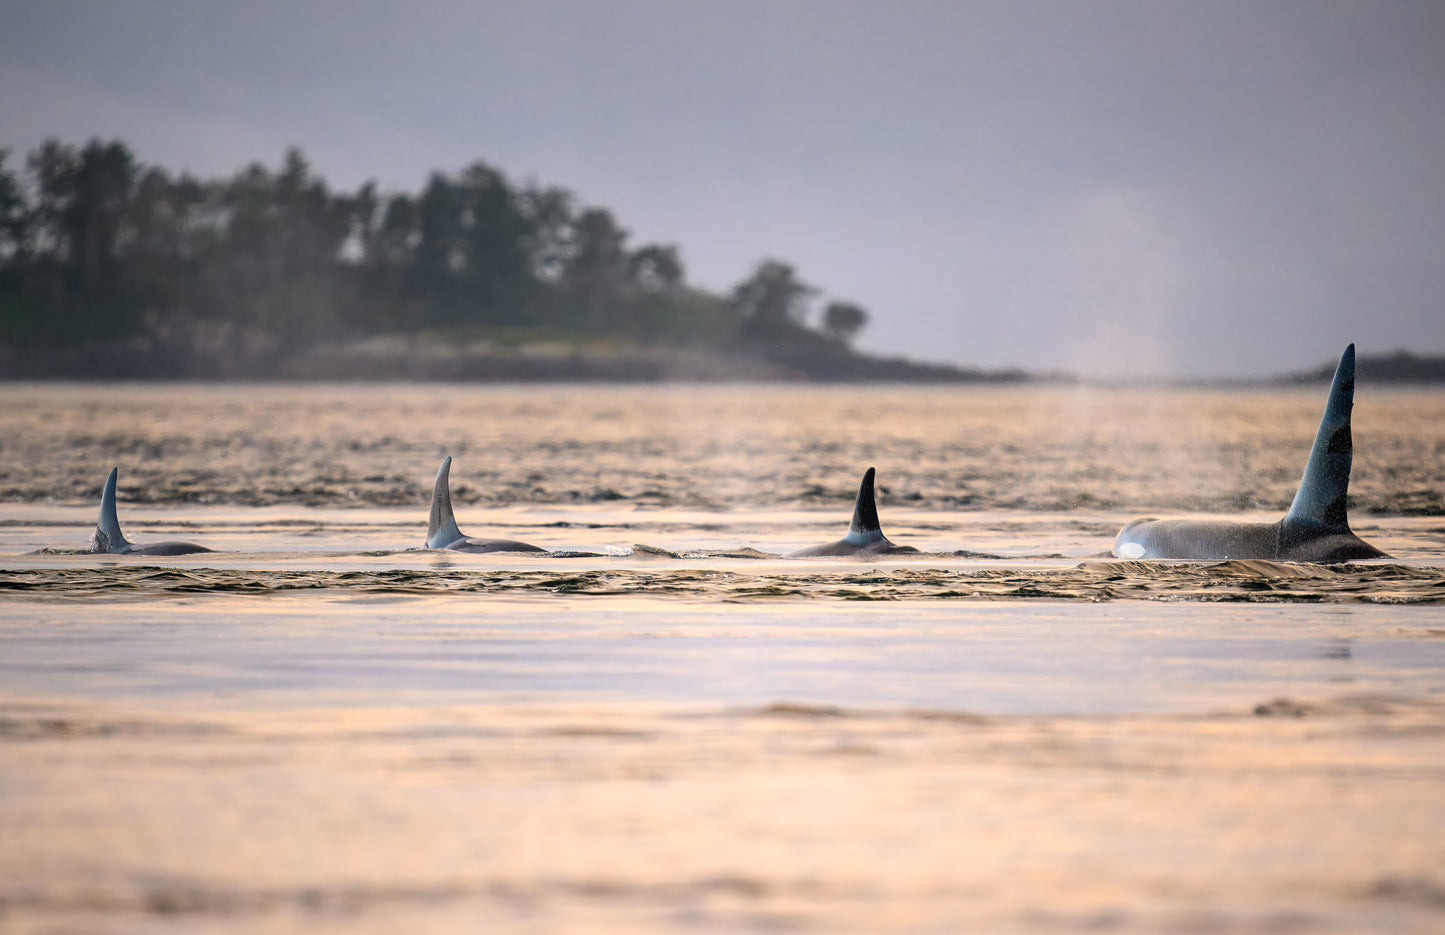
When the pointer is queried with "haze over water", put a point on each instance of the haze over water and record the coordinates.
(666, 725)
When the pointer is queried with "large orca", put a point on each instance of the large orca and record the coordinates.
(109, 538)
(865, 536)
(1315, 529)
(441, 528)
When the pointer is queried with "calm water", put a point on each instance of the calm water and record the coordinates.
(666, 726)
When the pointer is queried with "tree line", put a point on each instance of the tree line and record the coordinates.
(98, 247)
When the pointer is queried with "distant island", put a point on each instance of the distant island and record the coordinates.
(110, 268)
(1399, 367)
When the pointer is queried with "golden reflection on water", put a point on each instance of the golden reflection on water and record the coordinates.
(316, 732)
(1035, 448)
(630, 818)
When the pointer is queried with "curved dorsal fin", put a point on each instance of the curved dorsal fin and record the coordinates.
(864, 527)
(441, 527)
(1324, 490)
(108, 537)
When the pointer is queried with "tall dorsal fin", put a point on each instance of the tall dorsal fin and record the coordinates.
(1324, 490)
(864, 527)
(441, 527)
(108, 537)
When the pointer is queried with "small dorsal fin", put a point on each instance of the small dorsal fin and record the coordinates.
(1324, 490)
(864, 527)
(441, 527)
(108, 537)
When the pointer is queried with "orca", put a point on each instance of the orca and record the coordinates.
(865, 536)
(441, 528)
(1316, 528)
(109, 539)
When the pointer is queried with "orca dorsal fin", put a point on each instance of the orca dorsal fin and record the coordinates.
(1323, 492)
(441, 526)
(864, 527)
(108, 537)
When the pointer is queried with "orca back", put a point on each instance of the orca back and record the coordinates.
(441, 526)
(865, 535)
(1316, 528)
(167, 548)
(108, 537)
(1322, 500)
(865, 527)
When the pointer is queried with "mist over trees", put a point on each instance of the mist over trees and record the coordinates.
(97, 248)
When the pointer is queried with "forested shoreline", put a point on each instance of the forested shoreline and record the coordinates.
(113, 268)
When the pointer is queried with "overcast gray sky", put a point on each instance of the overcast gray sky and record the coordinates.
(1195, 188)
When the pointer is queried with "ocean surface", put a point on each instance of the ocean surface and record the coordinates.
(666, 725)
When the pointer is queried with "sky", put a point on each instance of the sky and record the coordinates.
(1117, 189)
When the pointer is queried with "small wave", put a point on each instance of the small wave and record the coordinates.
(1265, 569)
(1090, 581)
(642, 550)
(797, 709)
(75, 728)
